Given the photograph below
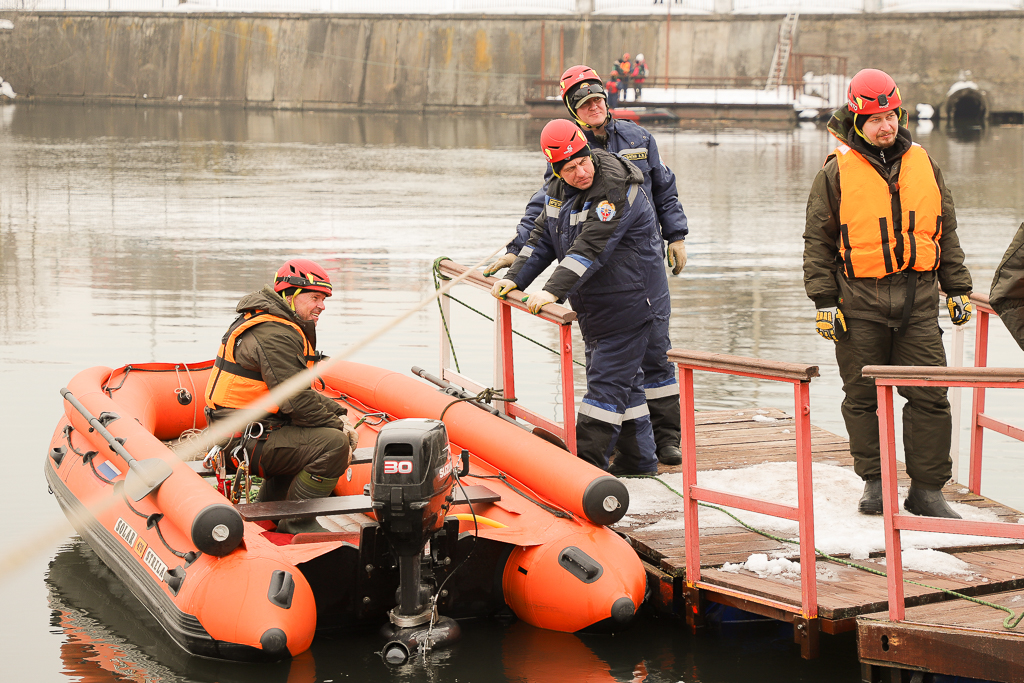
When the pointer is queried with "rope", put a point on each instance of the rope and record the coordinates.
(43, 540)
(435, 271)
(1007, 623)
(503, 478)
(439, 276)
(487, 395)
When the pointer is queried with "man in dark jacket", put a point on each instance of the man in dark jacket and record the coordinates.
(600, 227)
(303, 446)
(585, 99)
(1006, 295)
(880, 239)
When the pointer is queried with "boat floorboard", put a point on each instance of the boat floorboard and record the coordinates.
(731, 439)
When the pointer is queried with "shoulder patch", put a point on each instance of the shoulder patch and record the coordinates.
(605, 211)
(634, 154)
(554, 203)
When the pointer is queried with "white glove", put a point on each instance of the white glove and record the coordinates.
(502, 287)
(504, 261)
(539, 300)
(677, 256)
(351, 433)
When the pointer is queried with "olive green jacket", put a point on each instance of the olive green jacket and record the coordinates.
(276, 351)
(881, 299)
(1007, 292)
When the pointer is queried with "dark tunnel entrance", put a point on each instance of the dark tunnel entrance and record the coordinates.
(967, 108)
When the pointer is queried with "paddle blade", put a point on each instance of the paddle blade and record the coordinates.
(144, 477)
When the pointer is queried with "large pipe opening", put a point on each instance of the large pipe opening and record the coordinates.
(968, 110)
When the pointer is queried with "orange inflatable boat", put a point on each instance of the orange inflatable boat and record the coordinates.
(507, 521)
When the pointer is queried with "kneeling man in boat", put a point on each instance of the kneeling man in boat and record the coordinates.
(599, 224)
(303, 446)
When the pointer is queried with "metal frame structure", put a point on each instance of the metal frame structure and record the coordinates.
(504, 375)
(805, 617)
(979, 420)
(888, 376)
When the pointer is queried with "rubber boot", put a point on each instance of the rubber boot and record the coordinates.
(871, 502)
(306, 486)
(594, 439)
(635, 450)
(665, 421)
(273, 488)
(928, 503)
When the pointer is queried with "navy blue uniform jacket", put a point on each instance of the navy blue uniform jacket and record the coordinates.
(610, 270)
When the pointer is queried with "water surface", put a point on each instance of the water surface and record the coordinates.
(128, 235)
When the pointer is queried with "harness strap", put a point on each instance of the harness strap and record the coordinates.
(236, 369)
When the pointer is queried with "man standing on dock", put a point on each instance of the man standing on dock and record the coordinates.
(602, 230)
(880, 239)
(303, 446)
(584, 96)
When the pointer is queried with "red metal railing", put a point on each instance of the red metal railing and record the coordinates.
(504, 375)
(979, 420)
(889, 376)
(803, 513)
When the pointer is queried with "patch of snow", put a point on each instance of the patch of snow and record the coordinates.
(925, 111)
(6, 90)
(961, 85)
(808, 114)
(6, 25)
(839, 528)
(935, 562)
(763, 418)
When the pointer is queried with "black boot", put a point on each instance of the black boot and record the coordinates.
(665, 422)
(594, 440)
(670, 455)
(273, 488)
(633, 456)
(871, 501)
(306, 486)
(928, 503)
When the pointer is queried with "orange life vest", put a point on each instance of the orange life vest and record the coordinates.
(232, 386)
(867, 242)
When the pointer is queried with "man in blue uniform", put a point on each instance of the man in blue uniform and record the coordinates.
(601, 228)
(586, 99)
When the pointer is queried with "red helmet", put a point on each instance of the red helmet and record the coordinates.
(560, 139)
(873, 92)
(304, 274)
(573, 75)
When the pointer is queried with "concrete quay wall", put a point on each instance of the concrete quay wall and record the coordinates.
(484, 62)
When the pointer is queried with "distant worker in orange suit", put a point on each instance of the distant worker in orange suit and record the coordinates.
(879, 241)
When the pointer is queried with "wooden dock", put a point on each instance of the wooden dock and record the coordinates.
(733, 439)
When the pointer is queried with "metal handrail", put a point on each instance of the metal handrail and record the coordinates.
(504, 375)
(886, 377)
(803, 513)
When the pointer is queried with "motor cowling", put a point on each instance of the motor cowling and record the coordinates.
(411, 479)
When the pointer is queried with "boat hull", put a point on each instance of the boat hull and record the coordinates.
(534, 548)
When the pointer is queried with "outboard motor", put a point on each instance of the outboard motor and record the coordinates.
(410, 492)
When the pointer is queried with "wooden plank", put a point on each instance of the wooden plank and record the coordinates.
(341, 505)
(951, 651)
(742, 364)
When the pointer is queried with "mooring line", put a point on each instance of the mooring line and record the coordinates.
(46, 538)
